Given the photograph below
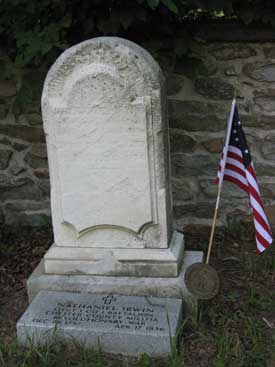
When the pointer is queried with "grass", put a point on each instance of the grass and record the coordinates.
(64, 355)
(235, 329)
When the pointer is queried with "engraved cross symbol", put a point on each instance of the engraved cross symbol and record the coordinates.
(108, 299)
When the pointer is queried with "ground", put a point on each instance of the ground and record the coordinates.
(237, 327)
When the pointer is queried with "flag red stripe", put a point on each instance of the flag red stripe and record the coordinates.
(236, 169)
(260, 220)
(252, 172)
(262, 240)
(236, 181)
(255, 194)
(235, 156)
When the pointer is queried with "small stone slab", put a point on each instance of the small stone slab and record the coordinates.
(116, 324)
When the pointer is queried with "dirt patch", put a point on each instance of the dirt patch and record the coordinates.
(236, 327)
(21, 249)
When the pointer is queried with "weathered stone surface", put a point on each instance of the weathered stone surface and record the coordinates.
(34, 119)
(268, 147)
(267, 189)
(2, 217)
(269, 52)
(233, 51)
(259, 121)
(214, 88)
(196, 116)
(41, 173)
(5, 141)
(267, 105)
(5, 156)
(185, 165)
(3, 109)
(173, 287)
(27, 133)
(183, 189)
(12, 188)
(19, 146)
(104, 116)
(27, 214)
(16, 168)
(213, 145)
(37, 156)
(263, 168)
(270, 213)
(30, 119)
(237, 216)
(264, 93)
(45, 188)
(115, 324)
(181, 143)
(229, 190)
(264, 99)
(199, 210)
(7, 88)
(199, 123)
(193, 67)
(107, 260)
(174, 84)
(178, 108)
(260, 71)
(231, 71)
(89, 112)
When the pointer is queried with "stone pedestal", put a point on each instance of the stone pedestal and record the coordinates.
(165, 287)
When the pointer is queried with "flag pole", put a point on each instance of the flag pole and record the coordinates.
(225, 150)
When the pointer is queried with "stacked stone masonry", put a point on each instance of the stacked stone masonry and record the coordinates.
(200, 88)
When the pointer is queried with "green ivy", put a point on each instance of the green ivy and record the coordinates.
(34, 32)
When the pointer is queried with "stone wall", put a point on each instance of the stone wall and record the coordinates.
(24, 177)
(200, 90)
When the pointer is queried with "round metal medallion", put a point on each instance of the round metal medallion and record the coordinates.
(202, 281)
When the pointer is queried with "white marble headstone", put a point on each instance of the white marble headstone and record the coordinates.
(104, 116)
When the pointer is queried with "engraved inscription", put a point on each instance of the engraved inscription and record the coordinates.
(103, 314)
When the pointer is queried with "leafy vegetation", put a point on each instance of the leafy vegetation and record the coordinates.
(35, 32)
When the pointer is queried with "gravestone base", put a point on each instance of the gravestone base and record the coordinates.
(111, 323)
(167, 287)
(151, 262)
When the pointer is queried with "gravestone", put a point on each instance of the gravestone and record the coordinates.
(115, 324)
(105, 119)
(104, 113)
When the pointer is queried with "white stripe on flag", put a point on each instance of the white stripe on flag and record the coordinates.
(235, 163)
(251, 180)
(262, 231)
(257, 206)
(235, 150)
(259, 246)
(236, 175)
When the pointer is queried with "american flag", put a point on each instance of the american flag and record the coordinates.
(236, 166)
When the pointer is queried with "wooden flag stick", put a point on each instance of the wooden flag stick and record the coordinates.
(213, 225)
(225, 151)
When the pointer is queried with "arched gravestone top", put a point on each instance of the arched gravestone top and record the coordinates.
(104, 114)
